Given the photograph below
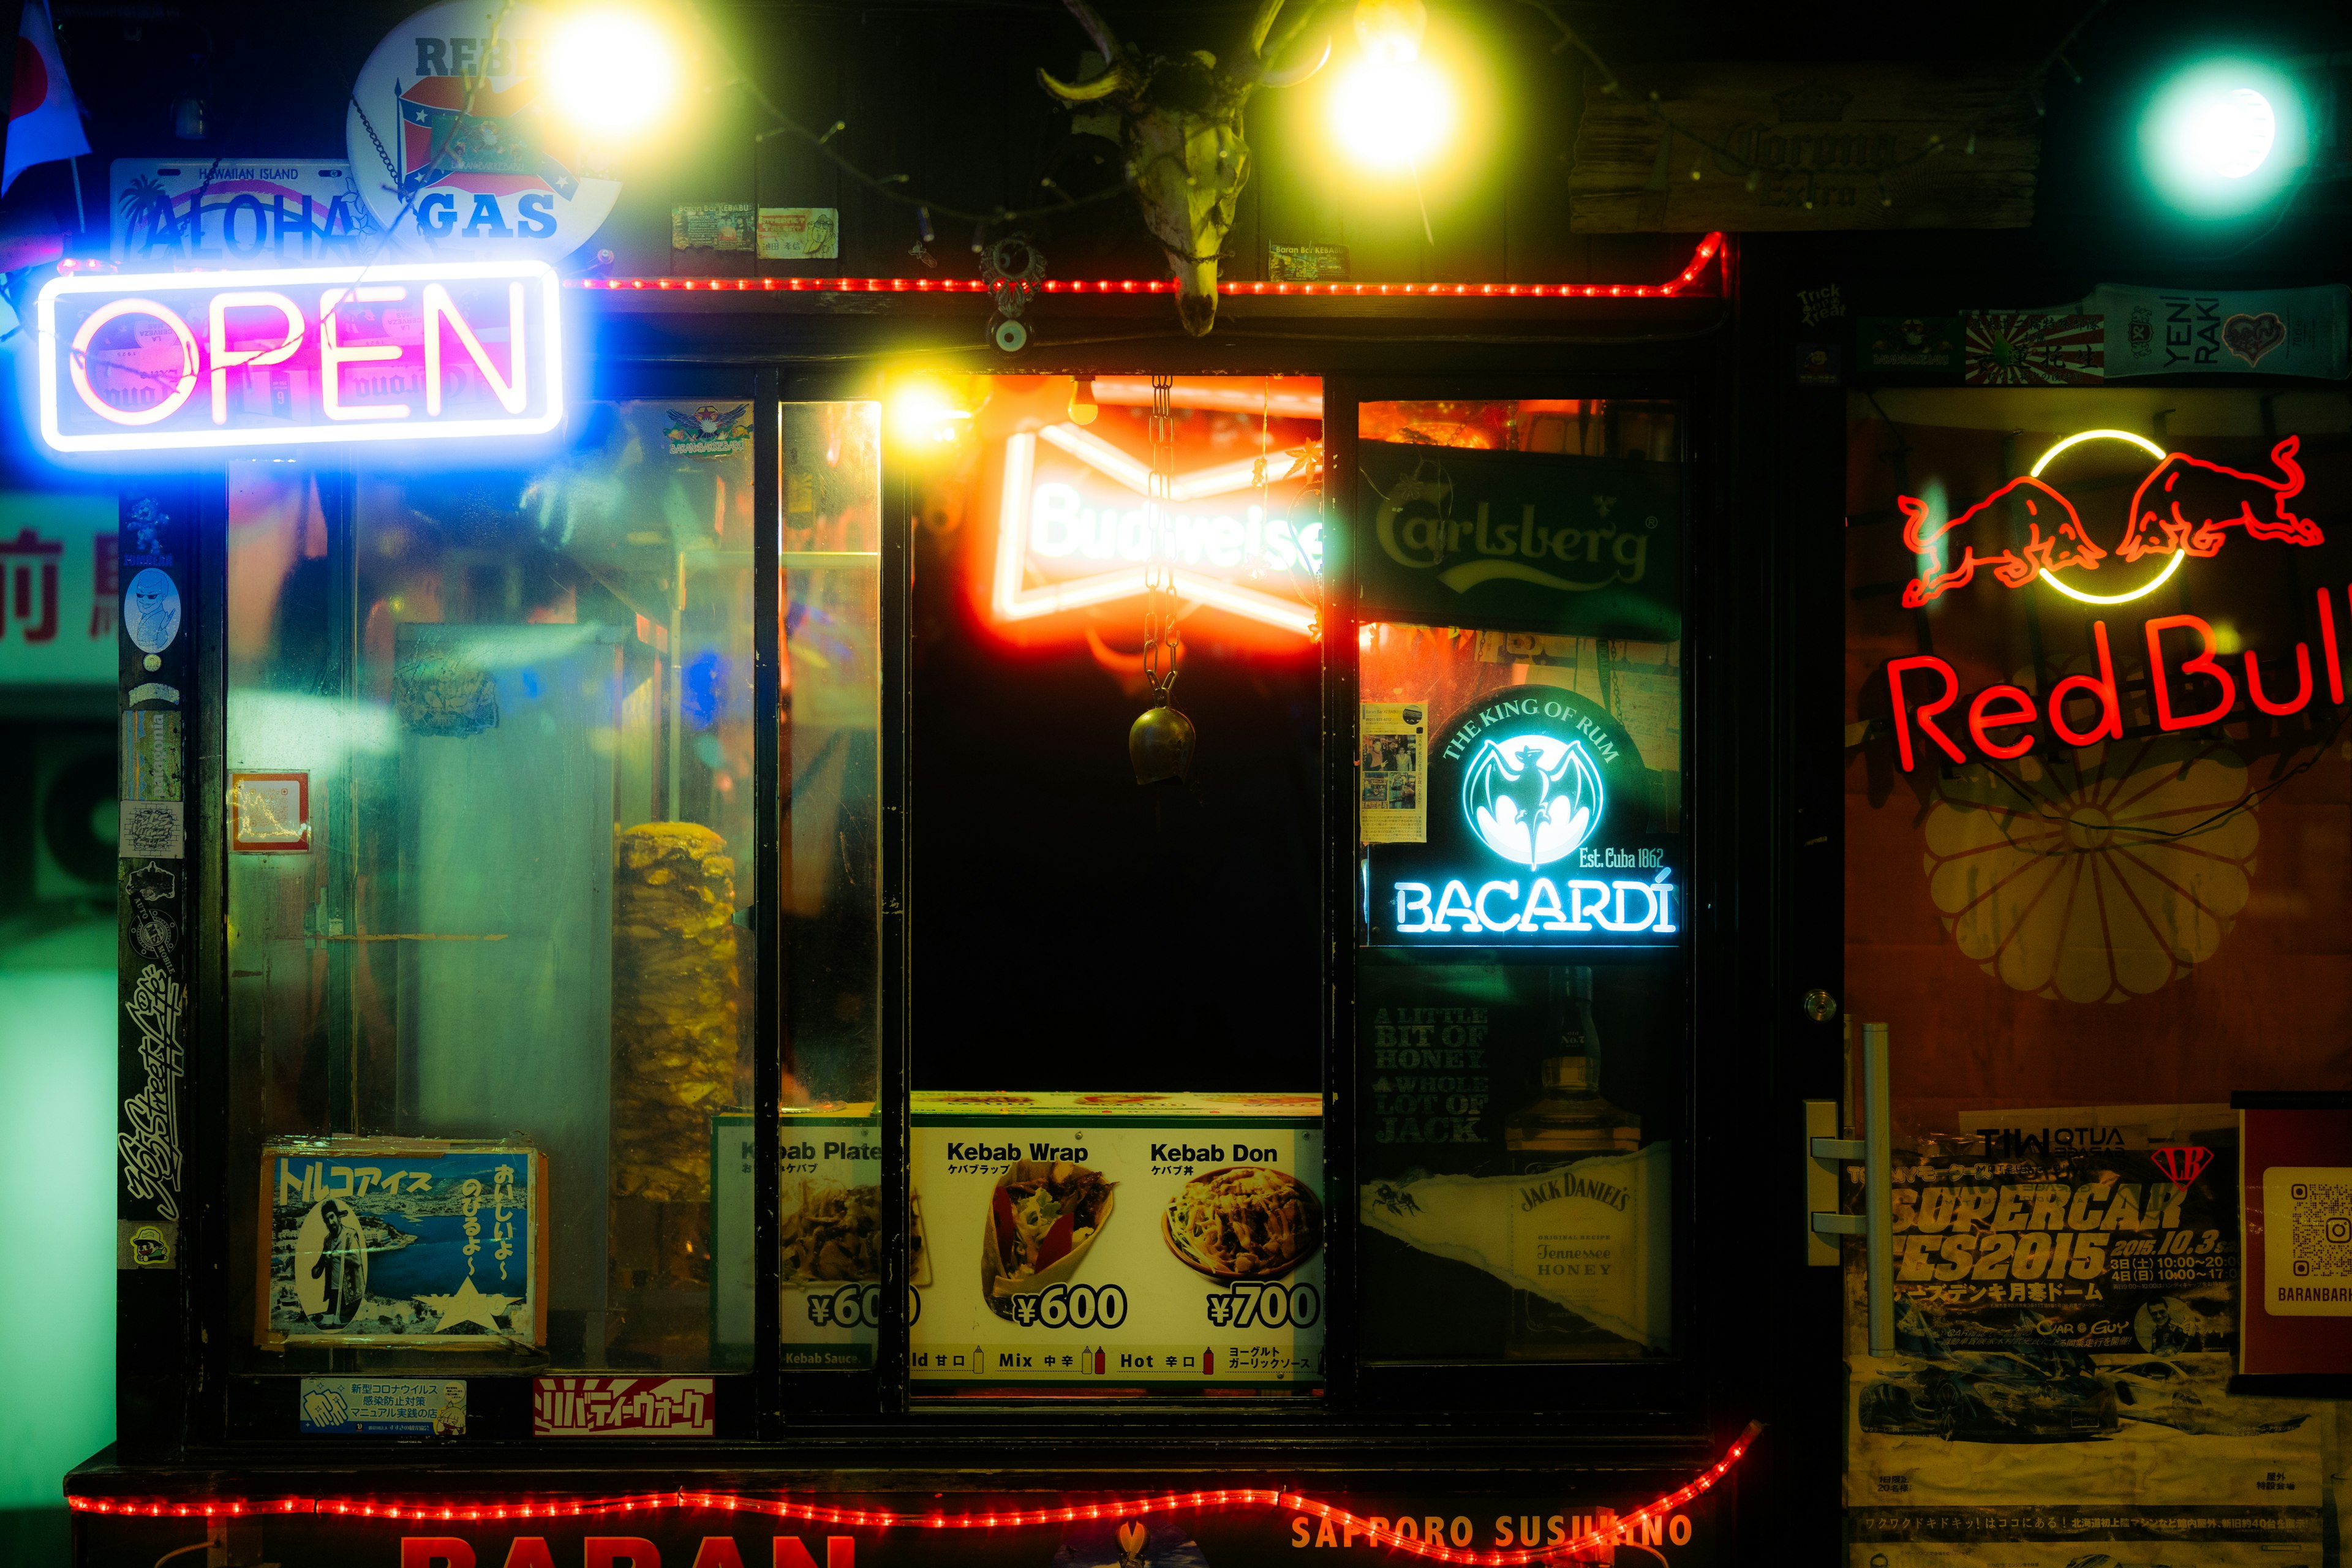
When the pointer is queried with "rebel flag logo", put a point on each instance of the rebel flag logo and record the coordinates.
(1532, 799)
(459, 130)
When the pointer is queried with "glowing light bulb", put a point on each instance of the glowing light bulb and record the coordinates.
(2229, 133)
(923, 415)
(2224, 137)
(1084, 409)
(1391, 115)
(1390, 30)
(611, 72)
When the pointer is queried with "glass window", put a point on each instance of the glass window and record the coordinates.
(1117, 1034)
(491, 743)
(1519, 825)
(2096, 849)
(829, 1194)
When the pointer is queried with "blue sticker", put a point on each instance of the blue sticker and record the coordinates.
(150, 611)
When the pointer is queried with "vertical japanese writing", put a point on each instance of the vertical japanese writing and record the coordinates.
(151, 1141)
(469, 1200)
(105, 582)
(502, 1197)
(29, 565)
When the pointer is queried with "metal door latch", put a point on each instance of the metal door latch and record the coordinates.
(1824, 1153)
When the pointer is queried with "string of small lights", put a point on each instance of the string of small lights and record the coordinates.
(475, 1510)
(1682, 281)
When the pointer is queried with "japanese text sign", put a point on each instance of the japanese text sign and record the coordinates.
(300, 355)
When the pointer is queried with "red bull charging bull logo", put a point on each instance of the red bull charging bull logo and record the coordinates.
(2183, 508)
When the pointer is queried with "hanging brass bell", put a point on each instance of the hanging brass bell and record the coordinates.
(1159, 744)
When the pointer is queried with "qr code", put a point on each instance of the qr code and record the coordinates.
(2320, 1228)
(2306, 1245)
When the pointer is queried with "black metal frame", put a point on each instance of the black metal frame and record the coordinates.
(1763, 909)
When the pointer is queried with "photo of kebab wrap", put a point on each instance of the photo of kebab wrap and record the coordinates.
(1042, 1216)
(1244, 1222)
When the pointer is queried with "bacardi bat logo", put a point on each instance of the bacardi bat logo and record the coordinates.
(1532, 799)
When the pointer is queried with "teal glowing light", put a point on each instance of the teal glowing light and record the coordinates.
(2224, 137)
(56, 1153)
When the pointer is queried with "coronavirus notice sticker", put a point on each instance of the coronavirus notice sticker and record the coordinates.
(2297, 1174)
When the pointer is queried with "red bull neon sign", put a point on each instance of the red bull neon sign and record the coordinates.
(2184, 507)
(2000, 719)
(292, 356)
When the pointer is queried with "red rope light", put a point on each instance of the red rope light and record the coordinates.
(1706, 252)
(821, 1513)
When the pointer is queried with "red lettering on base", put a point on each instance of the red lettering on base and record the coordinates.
(529, 1552)
(603, 1551)
(718, 1552)
(424, 1551)
(840, 1552)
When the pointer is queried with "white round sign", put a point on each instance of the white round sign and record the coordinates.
(456, 145)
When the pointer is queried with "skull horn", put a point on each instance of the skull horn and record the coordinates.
(1263, 22)
(1293, 75)
(1118, 81)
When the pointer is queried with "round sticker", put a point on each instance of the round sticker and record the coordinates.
(456, 148)
(150, 611)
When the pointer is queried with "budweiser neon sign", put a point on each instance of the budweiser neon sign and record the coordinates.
(1081, 533)
(2184, 507)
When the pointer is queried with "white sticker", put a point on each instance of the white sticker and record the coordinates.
(150, 830)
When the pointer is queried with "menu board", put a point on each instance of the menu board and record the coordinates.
(828, 1237)
(1123, 1239)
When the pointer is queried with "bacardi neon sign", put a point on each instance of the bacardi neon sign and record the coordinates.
(1080, 533)
(292, 356)
(1532, 852)
(2184, 507)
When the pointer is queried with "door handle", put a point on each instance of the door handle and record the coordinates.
(1824, 1152)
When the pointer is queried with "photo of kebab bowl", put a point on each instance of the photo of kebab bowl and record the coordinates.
(1043, 1218)
(1244, 1222)
(835, 1234)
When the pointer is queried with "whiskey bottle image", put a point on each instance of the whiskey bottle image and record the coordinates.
(1569, 1121)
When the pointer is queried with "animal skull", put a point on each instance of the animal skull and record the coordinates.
(1185, 154)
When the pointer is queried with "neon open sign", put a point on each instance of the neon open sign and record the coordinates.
(296, 355)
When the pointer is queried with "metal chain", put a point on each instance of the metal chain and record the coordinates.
(1158, 567)
(1257, 468)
